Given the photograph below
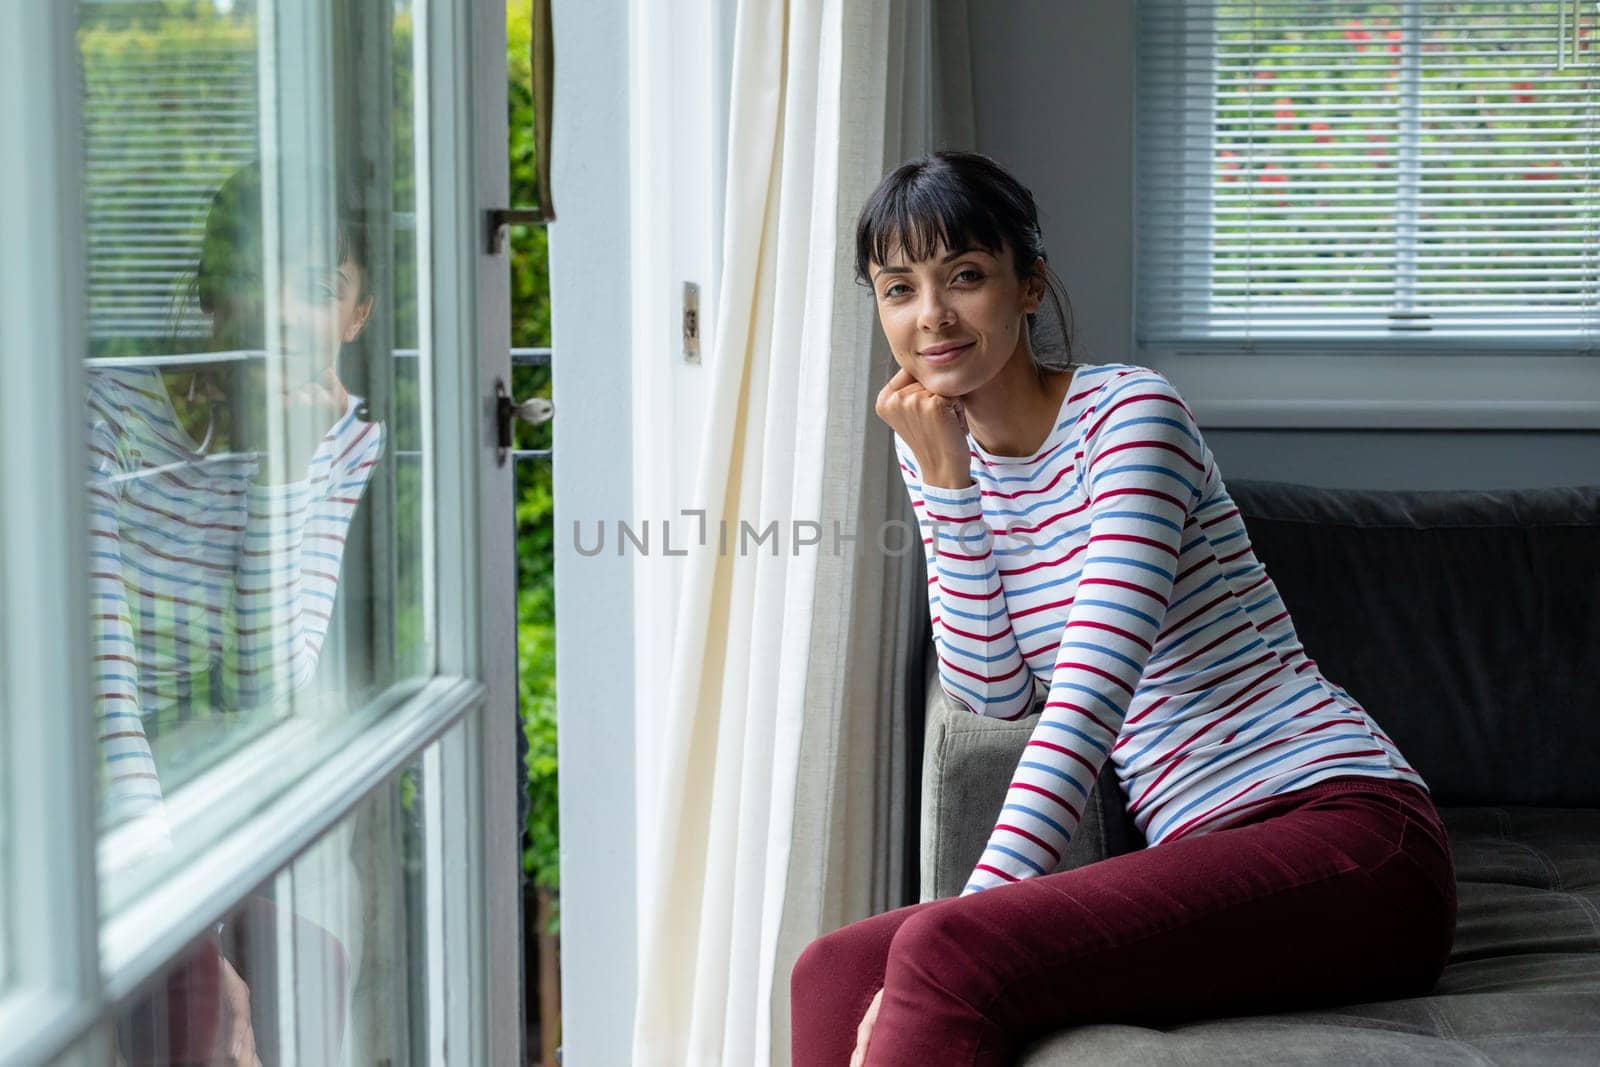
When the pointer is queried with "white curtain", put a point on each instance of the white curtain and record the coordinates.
(781, 659)
(852, 852)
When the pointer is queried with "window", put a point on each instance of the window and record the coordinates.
(260, 690)
(1400, 177)
(256, 568)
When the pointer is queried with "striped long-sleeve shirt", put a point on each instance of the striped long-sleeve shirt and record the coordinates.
(208, 591)
(1113, 565)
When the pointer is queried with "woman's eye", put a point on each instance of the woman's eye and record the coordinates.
(318, 287)
(973, 272)
(889, 292)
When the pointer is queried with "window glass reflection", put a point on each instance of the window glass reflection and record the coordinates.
(326, 964)
(255, 482)
(216, 556)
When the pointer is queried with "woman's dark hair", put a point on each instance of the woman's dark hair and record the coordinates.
(965, 200)
(231, 263)
(231, 251)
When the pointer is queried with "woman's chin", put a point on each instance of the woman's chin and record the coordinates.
(952, 381)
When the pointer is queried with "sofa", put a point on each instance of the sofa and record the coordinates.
(1467, 623)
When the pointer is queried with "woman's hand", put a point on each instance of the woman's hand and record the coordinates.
(858, 1058)
(236, 1043)
(933, 426)
(308, 410)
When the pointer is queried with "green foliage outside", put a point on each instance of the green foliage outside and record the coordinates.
(530, 328)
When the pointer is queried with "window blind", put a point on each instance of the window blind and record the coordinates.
(1424, 172)
(170, 112)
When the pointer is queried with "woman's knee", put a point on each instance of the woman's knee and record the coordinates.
(826, 961)
(939, 948)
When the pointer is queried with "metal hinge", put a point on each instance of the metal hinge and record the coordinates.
(502, 217)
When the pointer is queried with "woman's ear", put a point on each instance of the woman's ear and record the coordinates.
(358, 320)
(1034, 287)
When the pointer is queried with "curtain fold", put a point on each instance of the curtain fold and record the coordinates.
(853, 849)
(779, 768)
(739, 652)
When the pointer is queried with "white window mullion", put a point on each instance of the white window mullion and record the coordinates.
(1404, 315)
(49, 986)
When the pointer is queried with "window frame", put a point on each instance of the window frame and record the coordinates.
(53, 996)
(72, 966)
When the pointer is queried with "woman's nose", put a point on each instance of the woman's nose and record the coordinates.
(935, 312)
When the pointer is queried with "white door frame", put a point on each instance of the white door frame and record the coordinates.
(591, 296)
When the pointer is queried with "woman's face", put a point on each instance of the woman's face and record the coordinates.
(322, 311)
(319, 310)
(955, 318)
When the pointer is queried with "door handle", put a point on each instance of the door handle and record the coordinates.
(535, 411)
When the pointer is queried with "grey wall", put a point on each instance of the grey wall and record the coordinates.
(1054, 95)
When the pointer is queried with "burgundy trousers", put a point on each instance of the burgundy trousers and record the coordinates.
(1341, 892)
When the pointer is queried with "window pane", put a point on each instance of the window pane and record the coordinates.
(326, 964)
(256, 484)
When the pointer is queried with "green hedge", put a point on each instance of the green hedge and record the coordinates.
(530, 328)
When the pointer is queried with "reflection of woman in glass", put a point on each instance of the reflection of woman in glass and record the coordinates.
(221, 492)
(216, 557)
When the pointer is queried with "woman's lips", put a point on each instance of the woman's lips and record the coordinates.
(949, 355)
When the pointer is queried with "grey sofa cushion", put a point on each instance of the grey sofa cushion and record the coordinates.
(1522, 987)
(1462, 620)
(967, 763)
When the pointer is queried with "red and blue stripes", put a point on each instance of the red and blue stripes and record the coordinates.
(1113, 565)
(206, 588)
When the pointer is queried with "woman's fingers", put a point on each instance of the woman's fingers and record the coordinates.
(901, 389)
(858, 1058)
(897, 381)
(240, 1036)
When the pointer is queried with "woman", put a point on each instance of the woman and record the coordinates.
(1078, 531)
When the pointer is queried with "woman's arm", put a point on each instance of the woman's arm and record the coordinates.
(288, 573)
(1142, 469)
(980, 664)
(131, 787)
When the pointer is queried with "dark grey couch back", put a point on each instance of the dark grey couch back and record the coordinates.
(1467, 623)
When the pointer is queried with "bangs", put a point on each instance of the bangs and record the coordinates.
(917, 215)
(352, 247)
